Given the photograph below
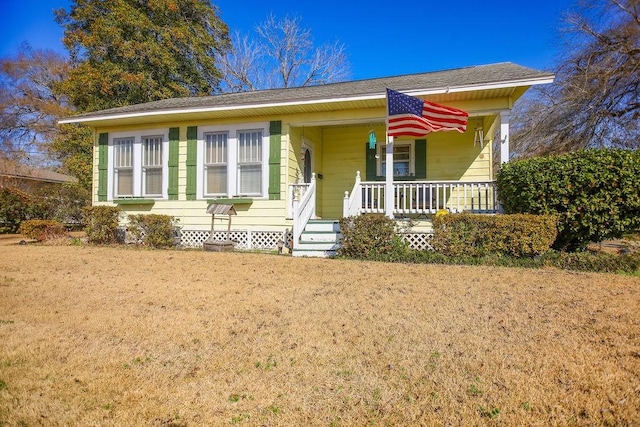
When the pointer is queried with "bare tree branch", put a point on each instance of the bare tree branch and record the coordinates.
(281, 55)
(595, 101)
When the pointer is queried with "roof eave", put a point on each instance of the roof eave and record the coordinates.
(364, 97)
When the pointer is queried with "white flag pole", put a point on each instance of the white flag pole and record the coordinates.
(388, 188)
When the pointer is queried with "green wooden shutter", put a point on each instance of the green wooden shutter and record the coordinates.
(192, 161)
(174, 142)
(421, 158)
(103, 172)
(372, 164)
(275, 144)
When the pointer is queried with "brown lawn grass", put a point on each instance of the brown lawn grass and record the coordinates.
(119, 336)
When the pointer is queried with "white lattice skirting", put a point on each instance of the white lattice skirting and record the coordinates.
(244, 239)
(268, 240)
(418, 241)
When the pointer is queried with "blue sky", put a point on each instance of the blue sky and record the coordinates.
(382, 38)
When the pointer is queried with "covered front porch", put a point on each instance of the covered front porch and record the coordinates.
(405, 178)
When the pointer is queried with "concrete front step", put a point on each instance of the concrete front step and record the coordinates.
(320, 236)
(323, 225)
(319, 239)
(313, 253)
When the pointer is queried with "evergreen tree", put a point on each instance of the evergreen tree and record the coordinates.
(125, 52)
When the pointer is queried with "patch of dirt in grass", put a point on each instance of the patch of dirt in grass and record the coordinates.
(123, 336)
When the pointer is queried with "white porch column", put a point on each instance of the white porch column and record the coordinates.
(504, 135)
(388, 188)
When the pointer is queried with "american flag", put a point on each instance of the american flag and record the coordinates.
(415, 117)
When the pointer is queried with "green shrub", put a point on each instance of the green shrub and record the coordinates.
(580, 261)
(64, 203)
(594, 193)
(370, 236)
(101, 223)
(42, 229)
(17, 206)
(601, 262)
(519, 235)
(152, 229)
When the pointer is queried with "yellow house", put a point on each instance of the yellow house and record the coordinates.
(293, 161)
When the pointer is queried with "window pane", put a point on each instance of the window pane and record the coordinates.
(250, 147)
(153, 182)
(215, 148)
(216, 180)
(123, 152)
(250, 177)
(124, 182)
(152, 151)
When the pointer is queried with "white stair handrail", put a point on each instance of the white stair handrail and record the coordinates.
(352, 204)
(304, 209)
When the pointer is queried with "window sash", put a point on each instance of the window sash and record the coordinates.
(152, 151)
(250, 179)
(250, 147)
(215, 180)
(123, 153)
(152, 177)
(124, 182)
(123, 167)
(250, 162)
(215, 163)
(215, 151)
(152, 166)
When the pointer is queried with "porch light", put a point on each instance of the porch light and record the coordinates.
(372, 139)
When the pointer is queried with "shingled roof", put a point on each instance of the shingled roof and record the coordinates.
(11, 169)
(455, 80)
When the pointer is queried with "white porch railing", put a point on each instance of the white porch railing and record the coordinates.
(304, 209)
(422, 197)
(295, 192)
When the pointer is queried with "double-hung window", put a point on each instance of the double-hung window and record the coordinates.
(123, 167)
(232, 161)
(250, 162)
(152, 166)
(215, 163)
(138, 165)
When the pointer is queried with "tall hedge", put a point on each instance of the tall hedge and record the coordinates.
(595, 194)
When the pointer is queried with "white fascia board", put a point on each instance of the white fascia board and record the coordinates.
(188, 110)
(487, 86)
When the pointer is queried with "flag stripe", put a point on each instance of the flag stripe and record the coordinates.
(414, 117)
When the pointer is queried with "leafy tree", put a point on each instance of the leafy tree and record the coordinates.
(127, 52)
(281, 55)
(595, 101)
(73, 147)
(29, 102)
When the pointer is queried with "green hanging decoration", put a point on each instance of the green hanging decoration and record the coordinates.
(372, 139)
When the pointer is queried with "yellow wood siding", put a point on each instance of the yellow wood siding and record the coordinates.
(338, 152)
(453, 156)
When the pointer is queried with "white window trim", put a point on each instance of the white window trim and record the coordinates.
(138, 191)
(232, 157)
(381, 153)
